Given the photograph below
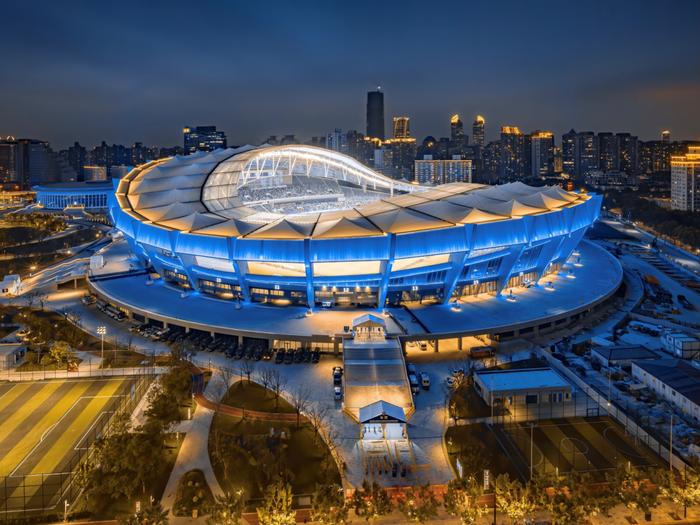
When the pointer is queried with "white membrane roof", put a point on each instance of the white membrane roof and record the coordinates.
(200, 193)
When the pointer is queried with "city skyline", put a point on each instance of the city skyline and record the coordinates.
(152, 74)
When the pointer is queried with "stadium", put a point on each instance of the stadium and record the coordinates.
(299, 225)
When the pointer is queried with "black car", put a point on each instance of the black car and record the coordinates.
(299, 356)
(289, 357)
(316, 356)
(280, 356)
(307, 356)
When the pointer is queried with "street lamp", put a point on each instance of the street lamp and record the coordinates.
(102, 331)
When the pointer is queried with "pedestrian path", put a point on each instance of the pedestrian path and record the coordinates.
(194, 452)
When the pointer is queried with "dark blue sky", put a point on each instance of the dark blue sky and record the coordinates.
(139, 71)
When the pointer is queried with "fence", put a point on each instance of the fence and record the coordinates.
(91, 371)
(33, 496)
(657, 444)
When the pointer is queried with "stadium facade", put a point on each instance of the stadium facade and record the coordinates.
(91, 195)
(307, 226)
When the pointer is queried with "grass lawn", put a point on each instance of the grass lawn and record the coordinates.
(477, 449)
(246, 454)
(255, 397)
(193, 495)
(123, 358)
(37, 367)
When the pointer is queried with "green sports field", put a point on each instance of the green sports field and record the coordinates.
(43, 427)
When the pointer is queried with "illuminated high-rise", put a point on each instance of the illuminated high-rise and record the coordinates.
(608, 151)
(202, 138)
(456, 129)
(514, 161)
(375, 114)
(542, 159)
(568, 152)
(478, 131)
(401, 127)
(685, 180)
(666, 136)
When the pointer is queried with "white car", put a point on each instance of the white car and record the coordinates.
(337, 393)
(451, 381)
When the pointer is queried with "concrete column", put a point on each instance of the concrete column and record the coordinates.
(187, 329)
(436, 345)
(459, 343)
(213, 335)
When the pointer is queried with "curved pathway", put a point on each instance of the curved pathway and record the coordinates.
(194, 452)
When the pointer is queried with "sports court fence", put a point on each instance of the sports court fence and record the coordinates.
(31, 497)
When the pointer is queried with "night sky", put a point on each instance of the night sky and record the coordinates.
(139, 71)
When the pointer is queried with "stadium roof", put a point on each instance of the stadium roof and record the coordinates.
(200, 193)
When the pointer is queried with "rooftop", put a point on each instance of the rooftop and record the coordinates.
(616, 353)
(521, 379)
(680, 376)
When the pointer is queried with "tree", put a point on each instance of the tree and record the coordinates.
(562, 498)
(163, 407)
(330, 506)
(151, 514)
(247, 369)
(277, 383)
(61, 353)
(635, 489)
(462, 500)
(683, 492)
(300, 400)
(513, 498)
(419, 504)
(371, 501)
(177, 382)
(276, 508)
(227, 509)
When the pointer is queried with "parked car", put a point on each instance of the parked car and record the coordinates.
(316, 357)
(425, 380)
(337, 375)
(279, 358)
(415, 386)
(337, 393)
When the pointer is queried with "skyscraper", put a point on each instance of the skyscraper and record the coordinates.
(203, 138)
(542, 160)
(629, 153)
(586, 157)
(515, 154)
(456, 129)
(608, 151)
(685, 180)
(568, 152)
(401, 127)
(337, 140)
(375, 114)
(666, 136)
(431, 171)
(478, 131)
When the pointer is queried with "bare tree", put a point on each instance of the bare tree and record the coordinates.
(247, 368)
(277, 383)
(266, 378)
(227, 375)
(300, 400)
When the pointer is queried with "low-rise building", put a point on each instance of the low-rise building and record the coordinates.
(11, 355)
(621, 355)
(680, 344)
(521, 388)
(673, 380)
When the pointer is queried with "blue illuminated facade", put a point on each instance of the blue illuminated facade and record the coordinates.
(405, 257)
(90, 195)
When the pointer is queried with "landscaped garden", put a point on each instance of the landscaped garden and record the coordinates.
(250, 454)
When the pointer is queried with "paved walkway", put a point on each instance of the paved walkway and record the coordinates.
(194, 452)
